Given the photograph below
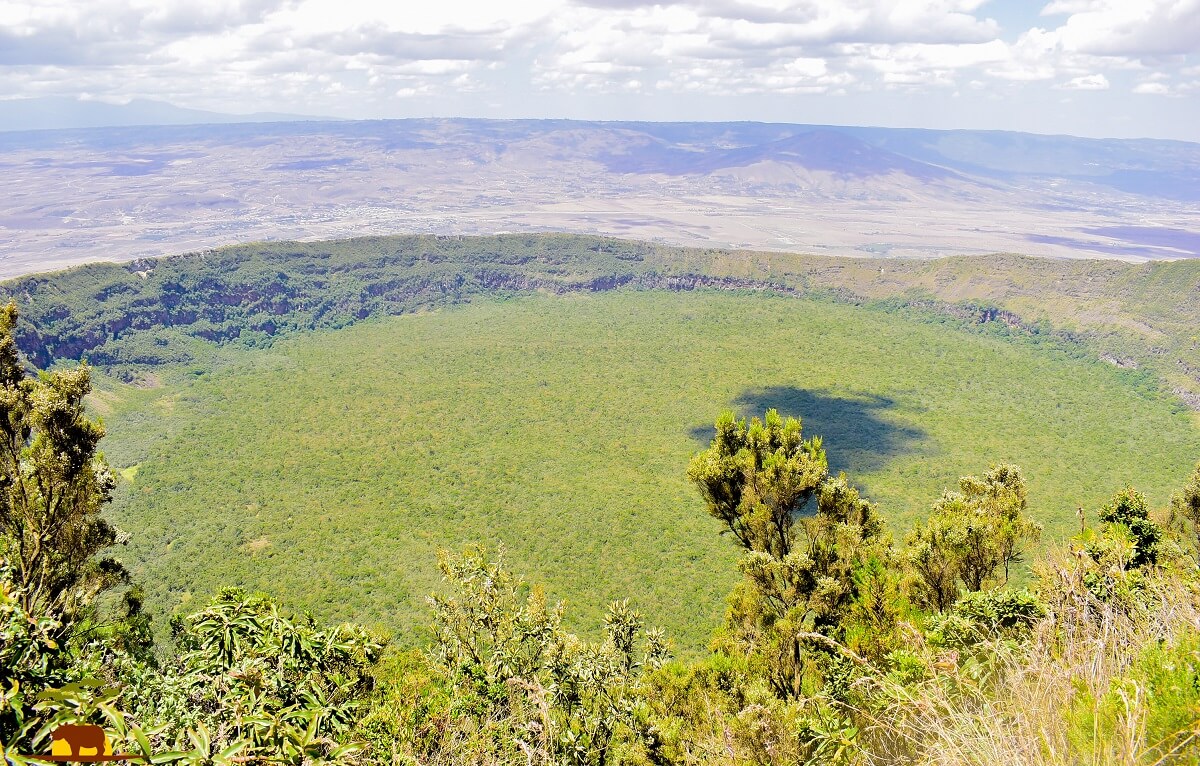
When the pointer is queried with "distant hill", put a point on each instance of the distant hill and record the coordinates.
(815, 149)
(150, 312)
(1153, 167)
(56, 113)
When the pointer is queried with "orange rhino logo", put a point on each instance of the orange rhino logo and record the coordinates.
(82, 743)
(80, 740)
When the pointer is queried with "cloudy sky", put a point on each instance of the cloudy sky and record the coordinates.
(1087, 67)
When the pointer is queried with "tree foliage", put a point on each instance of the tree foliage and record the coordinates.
(30, 657)
(245, 684)
(513, 670)
(273, 685)
(1128, 515)
(972, 537)
(760, 478)
(757, 478)
(1185, 511)
(53, 483)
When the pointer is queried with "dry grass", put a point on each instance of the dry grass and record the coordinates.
(1030, 703)
(257, 545)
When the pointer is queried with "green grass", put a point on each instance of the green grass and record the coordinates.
(329, 469)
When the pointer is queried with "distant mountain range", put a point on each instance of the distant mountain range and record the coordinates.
(819, 149)
(56, 113)
(1161, 168)
(121, 193)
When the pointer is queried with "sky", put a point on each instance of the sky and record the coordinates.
(1106, 68)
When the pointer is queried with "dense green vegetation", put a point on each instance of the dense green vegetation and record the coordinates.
(50, 520)
(833, 649)
(330, 469)
(149, 312)
(934, 604)
(880, 617)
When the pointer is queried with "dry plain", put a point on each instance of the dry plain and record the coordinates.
(124, 193)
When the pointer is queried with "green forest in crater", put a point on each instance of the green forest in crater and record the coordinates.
(545, 500)
(329, 469)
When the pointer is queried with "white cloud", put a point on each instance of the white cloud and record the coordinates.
(1061, 7)
(311, 55)
(1087, 82)
(737, 46)
(334, 56)
(1152, 88)
(1139, 28)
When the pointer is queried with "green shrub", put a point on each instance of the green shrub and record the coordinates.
(1161, 690)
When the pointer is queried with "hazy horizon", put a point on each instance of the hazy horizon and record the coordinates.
(1087, 68)
(132, 115)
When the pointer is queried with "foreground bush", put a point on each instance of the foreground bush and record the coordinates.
(509, 685)
(245, 684)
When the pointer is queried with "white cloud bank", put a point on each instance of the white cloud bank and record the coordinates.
(365, 58)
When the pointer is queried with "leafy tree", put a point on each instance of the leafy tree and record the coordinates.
(799, 568)
(1000, 499)
(53, 484)
(523, 688)
(1119, 554)
(757, 478)
(247, 685)
(485, 634)
(280, 685)
(972, 535)
(934, 552)
(986, 615)
(1185, 510)
(872, 626)
(1127, 512)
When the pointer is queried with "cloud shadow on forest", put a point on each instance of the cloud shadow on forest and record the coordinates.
(856, 435)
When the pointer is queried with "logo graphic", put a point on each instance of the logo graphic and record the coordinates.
(82, 743)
